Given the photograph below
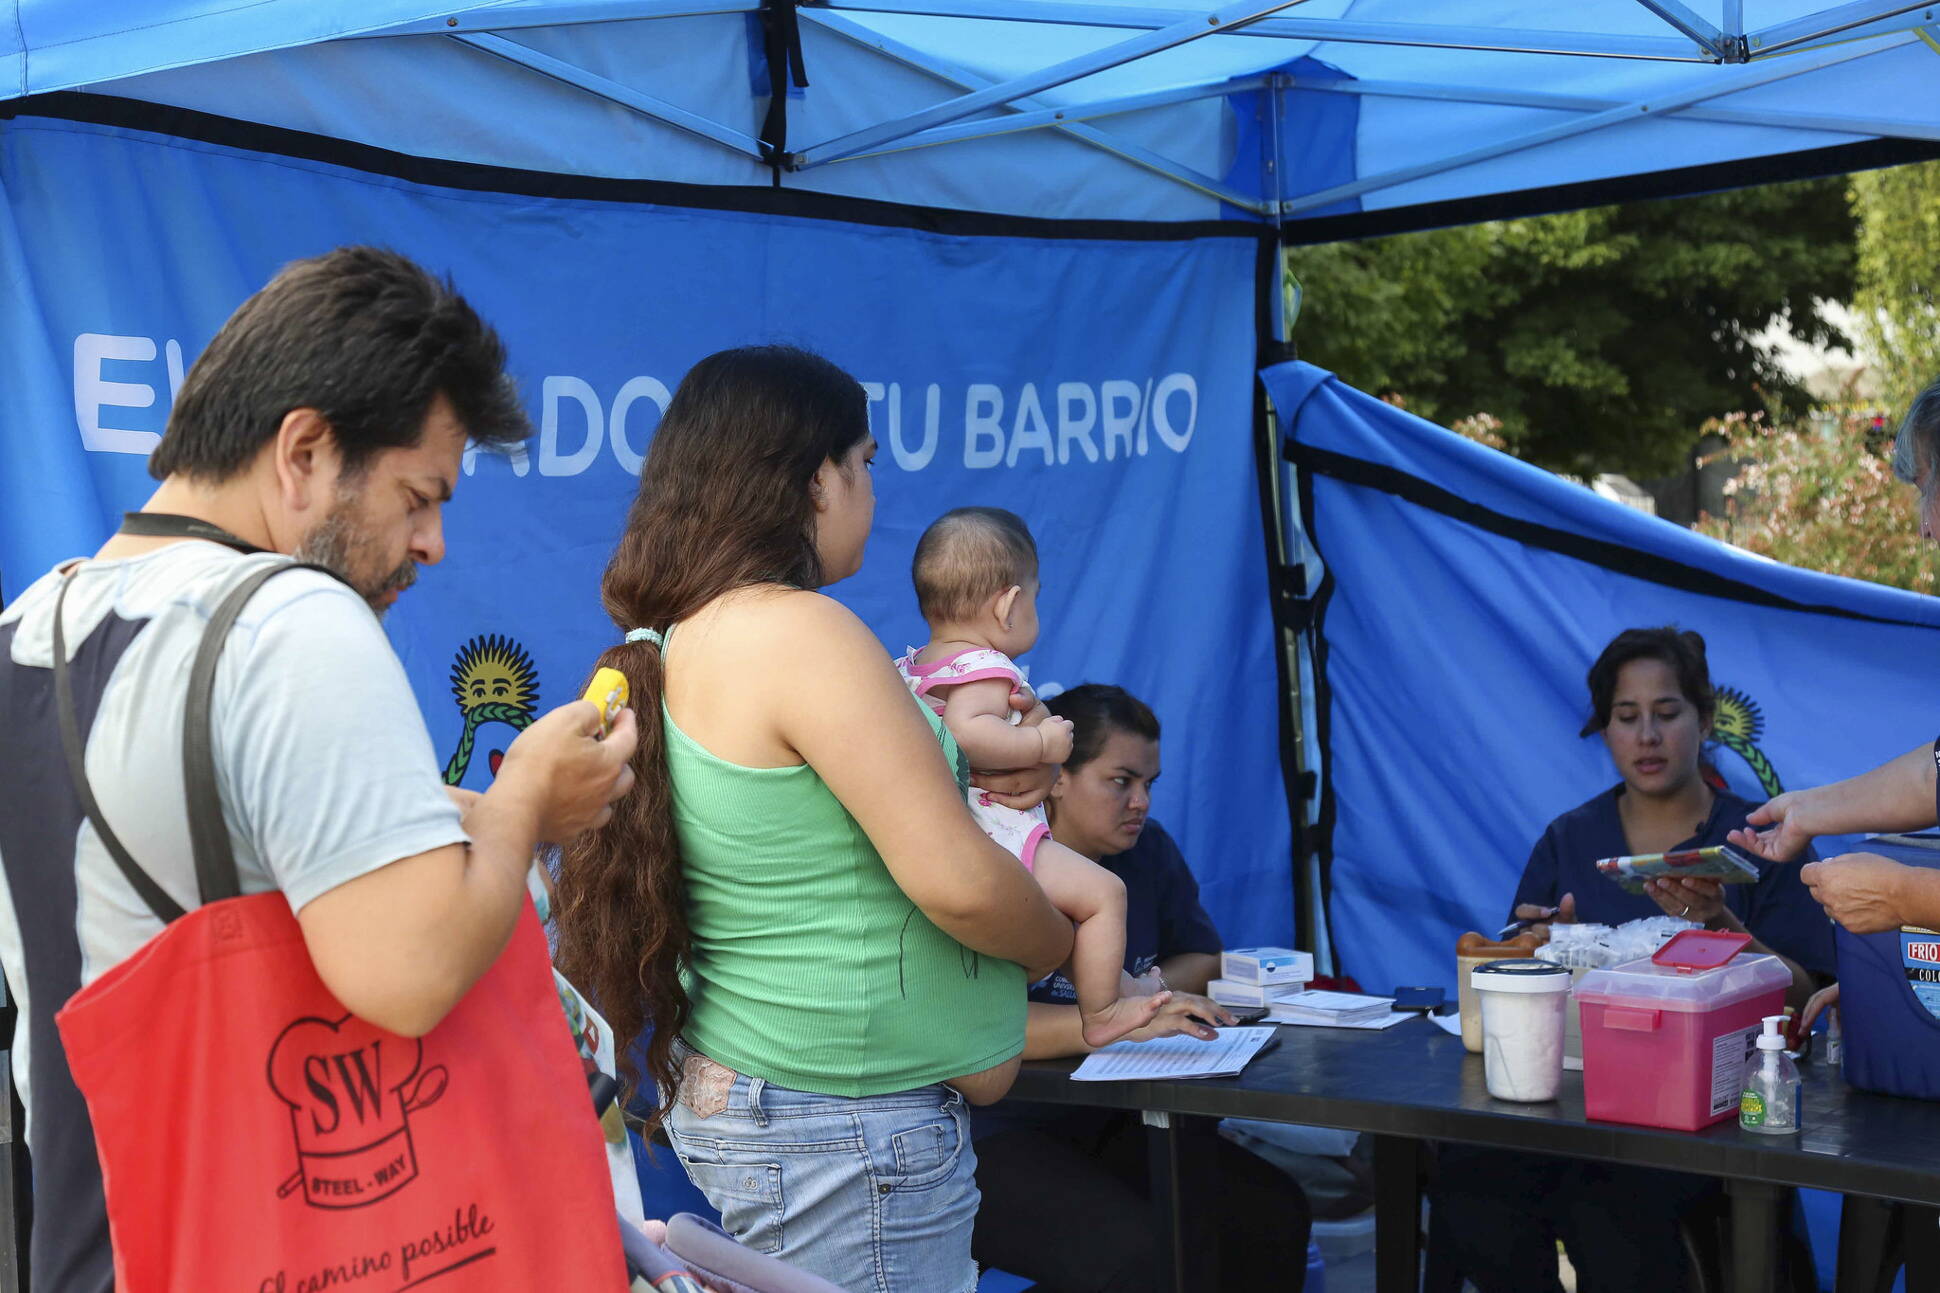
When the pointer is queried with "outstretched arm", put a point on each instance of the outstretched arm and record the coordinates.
(1895, 796)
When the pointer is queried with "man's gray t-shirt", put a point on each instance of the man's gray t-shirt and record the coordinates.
(326, 773)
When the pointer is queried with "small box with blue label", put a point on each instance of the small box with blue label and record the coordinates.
(1889, 993)
(1266, 965)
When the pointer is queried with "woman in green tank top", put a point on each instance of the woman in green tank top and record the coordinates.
(793, 904)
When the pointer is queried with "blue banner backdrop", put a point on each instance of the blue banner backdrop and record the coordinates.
(1468, 594)
(1100, 386)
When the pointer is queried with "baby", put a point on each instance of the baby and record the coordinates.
(976, 582)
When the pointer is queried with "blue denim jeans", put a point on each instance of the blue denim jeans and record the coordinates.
(876, 1195)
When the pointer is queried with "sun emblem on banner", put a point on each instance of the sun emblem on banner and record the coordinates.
(1736, 726)
(493, 680)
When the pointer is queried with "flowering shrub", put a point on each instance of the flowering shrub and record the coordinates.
(1822, 494)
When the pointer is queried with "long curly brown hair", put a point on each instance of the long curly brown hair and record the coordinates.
(724, 503)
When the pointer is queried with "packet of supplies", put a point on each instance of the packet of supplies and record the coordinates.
(1265, 965)
(1719, 862)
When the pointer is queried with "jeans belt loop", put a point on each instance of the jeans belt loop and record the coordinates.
(755, 1087)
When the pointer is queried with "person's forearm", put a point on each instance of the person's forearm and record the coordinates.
(1895, 796)
(1053, 1032)
(401, 945)
(1918, 896)
(989, 742)
(1190, 971)
(489, 891)
(999, 910)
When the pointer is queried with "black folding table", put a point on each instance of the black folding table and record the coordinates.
(1413, 1083)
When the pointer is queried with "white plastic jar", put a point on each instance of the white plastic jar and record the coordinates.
(1522, 1027)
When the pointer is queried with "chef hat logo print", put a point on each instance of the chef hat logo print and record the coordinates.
(351, 1089)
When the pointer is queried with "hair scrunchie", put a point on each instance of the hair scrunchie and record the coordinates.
(647, 635)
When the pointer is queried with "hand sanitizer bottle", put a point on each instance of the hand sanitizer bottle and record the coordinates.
(1770, 1103)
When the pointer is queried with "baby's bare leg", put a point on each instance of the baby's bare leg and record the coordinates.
(1095, 899)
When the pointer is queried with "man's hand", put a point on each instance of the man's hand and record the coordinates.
(1789, 819)
(1861, 891)
(563, 775)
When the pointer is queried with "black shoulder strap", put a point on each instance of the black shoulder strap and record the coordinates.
(165, 908)
(215, 859)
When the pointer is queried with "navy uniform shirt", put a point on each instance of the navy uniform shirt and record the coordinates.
(1779, 910)
(1163, 919)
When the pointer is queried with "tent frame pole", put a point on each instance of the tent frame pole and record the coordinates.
(1053, 114)
(1694, 25)
(1500, 40)
(1844, 23)
(1841, 125)
(1274, 483)
(644, 104)
(562, 13)
(1124, 149)
(1073, 69)
(1749, 79)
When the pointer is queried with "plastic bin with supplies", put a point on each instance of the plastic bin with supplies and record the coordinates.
(1889, 993)
(1666, 1038)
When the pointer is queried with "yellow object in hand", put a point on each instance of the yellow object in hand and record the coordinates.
(609, 691)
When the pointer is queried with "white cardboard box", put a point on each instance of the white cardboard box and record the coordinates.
(1265, 965)
(1250, 995)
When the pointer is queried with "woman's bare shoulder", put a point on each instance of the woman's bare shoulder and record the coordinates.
(812, 627)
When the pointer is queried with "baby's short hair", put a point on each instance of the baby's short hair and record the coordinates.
(968, 556)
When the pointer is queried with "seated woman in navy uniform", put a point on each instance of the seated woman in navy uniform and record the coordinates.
(1502, 1213)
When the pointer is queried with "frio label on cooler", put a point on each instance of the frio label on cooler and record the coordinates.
(1920, 955)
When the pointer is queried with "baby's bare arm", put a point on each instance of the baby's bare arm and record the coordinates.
(976, 714)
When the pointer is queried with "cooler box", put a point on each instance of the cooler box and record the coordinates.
(1666, 1039)
(1889, 993)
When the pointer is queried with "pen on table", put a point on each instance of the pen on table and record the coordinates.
(1515, 927)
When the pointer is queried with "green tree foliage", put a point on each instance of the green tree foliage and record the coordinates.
(1599, 339)
(1898, 303)
(1822, 495)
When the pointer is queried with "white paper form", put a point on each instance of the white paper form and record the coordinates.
(1174, 1057)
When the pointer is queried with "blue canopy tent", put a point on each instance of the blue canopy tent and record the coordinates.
(1044, 233)
(1282, 111)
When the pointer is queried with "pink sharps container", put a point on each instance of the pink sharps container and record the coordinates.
(1666, 1039)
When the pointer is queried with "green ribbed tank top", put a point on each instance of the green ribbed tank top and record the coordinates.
(810, 968)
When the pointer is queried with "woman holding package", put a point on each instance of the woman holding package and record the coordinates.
(795, 902)
(1498, 1215)
(1066, 1197)
(1651, 701)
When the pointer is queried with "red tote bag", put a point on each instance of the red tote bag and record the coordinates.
(255, 1137)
